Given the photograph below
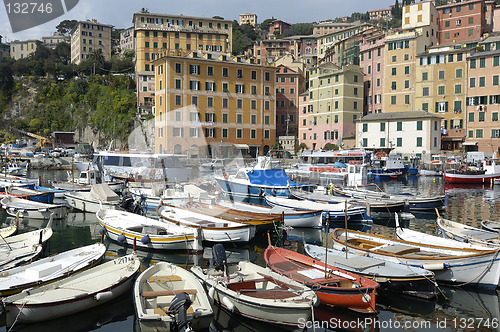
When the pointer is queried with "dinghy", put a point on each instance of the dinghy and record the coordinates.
(464, 233)
(31, 194)
(91, 201)
(30, 209)
(490, 225)
(166, 296)
(74, 294)
(256, 292)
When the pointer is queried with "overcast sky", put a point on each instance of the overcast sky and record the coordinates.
(119, 12)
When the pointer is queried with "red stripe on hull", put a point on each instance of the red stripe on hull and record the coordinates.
(464, 178)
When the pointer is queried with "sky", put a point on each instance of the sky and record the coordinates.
(119, 12)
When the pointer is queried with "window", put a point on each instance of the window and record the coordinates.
(441, 90)
(266, 134)
(480, 117)
(382, 141)
(194, 100)
(225, 102)
(425, 91)
(482, 62)
(209, 86)
(393, 85)
(407, 84)
(441, 74)
(194, 69)
(178, 100)
(267, 76)
(253, 104)
(495, 133)
(495, 79)
(472, 82)
(178, 68)
(473, 63)
(458, 73)
(457, 106)
(253, 133)
(407, 70)
(210, 102)
(210, 117)
(194, 85)
(482, 81)
(496, 59)
(471, 134)
(393, 100)
(393, 71)
(407, 99)
(458, 89)
(425, 107)
(365, 127)
(225, 72)
(239, 73)
(266, 105)
(471, 116)
(479, 133)
(210, 132)
(382, 126)
(239, 118)
(419, 125)
(425, 76)
(239, 103)
(419, 141)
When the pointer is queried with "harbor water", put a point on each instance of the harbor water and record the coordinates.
(456, 310)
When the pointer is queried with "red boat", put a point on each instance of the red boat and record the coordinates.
(488, 172)
(333, 286)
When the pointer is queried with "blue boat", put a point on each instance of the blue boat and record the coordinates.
(31, 194)
(59, 193)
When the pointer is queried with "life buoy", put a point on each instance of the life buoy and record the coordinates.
(226, 176)
(379, 155)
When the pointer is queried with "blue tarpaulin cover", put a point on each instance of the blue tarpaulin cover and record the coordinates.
(270, 177)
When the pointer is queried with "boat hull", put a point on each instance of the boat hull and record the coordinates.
(35, 210)
(469, 178)
(87, 205)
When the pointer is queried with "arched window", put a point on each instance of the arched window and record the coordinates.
(178, 149)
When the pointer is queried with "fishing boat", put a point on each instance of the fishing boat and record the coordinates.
(91, 201)
(9, 230)
(392, 277)
(31, 194)
(331, 211)
(464, 233)
(50, 268)
(15, 168)
(166, 297)
(459, 266)
(490, 225)
(57, 193)
(489, 171)
(124, 227)
(413, 202)
(291, 217)
(78, 292)
(256, 292)
(333, 286)
(258, 181)
(375, 205)
(7, 180)
(213, 229)
(259, 220)
(86, 179)
(30, 209)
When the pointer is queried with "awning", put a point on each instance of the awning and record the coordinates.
(242, 146)
(469, 143)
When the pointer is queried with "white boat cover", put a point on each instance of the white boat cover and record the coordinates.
(104, 192)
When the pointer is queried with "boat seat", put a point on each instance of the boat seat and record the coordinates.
(482, 235)
(239, 285)
(153, 294)
(359, 263)
(162, 312)
(399, 249)
(163, 279)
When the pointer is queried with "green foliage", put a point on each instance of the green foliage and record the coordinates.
(265, 24)
(331, 146)
(299, 29)
(66, 26)
(300, 147)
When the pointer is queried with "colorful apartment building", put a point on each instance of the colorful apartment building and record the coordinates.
(248, 19)
(212, 100)
(372, 49)
(441, 88)
(327, 27)
(380, 14)
(89, 37)
(465, 20)
(308, 52)
(269, 50)
(324, 42)
(54, 40)
(127, 40)
(157, 35)
(483, 101)
(22, 49)
(278, 27)
(335, 102)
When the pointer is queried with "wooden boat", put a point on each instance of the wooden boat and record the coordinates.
(70, 295)
(91, 201)
(213, 229)
(50, 268)
(256, 292)
(393, 277)
(269, 221)
(291, 217)
(416, 203)
(333, 286)
(155, 291)
(7, 180)
(332, 212)
(30, 209)
(58, 193)
(489, 172)
(464, 233)
(9, 230)
(374, 204)
(490, 225)
(31, 194)
(124, 227)
(454, 265)
(409, 235)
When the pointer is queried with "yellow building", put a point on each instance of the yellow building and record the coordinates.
(157, 34)
(440, 87)
(88, 37)
(212, 100)
(248, 19)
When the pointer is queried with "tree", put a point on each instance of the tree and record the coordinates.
(330, 146)
(218, 17)
(300, 147)
(66, 26)
(265, 24)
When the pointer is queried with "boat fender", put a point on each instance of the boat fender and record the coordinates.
(104, 296)
(227, 302)
(102, 230)
(121, 238)
(433, 266)
(211, 293)
(145, 239)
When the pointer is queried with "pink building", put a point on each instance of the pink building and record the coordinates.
(289, 84)
(463, 21)
(267, 51)
(278, 26)
(371, 56)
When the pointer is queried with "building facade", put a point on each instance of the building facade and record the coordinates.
(208, 100)
(324, 42)
(157, 35)
(269, 50)
(248, 19)
(55, 39)
(335, 102)
(127, 40)
(289, 85)
(89, 37)
(409, 134)
(380, 14)
(22, 49)
(278, 26)
(372, 50)
(327, 27)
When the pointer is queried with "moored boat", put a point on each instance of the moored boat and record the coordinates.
(392, 277)
(464, 233)
(166, 296)
(30, 209)
(124, 227)
(91, 201)
(490, 225)
(31, 194)
(459, 266)
(256, 292)
(487, 174)
(333, 286)
(213, 229)
(70, 295)
(50, 268)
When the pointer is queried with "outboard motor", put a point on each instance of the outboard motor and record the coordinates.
(128, 203)
(177, 309)
(219, 259)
